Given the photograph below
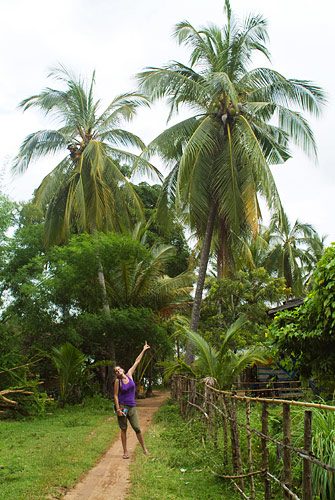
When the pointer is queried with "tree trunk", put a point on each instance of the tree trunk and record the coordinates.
(221, 263)
(195, 317)
(101, 278)
(110, 341)
(149, 389)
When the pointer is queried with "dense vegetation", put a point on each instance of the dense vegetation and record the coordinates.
(306, 336)
(96, 264)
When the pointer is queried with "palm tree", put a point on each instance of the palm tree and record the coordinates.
(220, 156)
(293, 251)
(143, 282)
(86, 191)
(70, 364)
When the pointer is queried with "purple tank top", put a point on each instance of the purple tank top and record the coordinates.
(127, 393)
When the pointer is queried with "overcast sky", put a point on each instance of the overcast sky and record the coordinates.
(118, 38)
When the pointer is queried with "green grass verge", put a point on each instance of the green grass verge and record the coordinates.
(42, 456)
(177, 468)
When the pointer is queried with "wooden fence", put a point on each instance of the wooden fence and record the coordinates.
(219, 409)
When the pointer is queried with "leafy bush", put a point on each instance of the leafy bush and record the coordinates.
(308, 333)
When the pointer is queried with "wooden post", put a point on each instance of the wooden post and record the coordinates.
(208, 393)
(192, 388)
(250, 461)
(265, 451)
(183, 396)
(225, 432)
(172, 388)
(307, 476)
(216, 423)
(238, 447)
(287, 452)
(179, 395)
(232, 436)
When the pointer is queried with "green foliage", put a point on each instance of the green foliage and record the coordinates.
(222, 365)
(56, 297)
(323, 447)
(11, 354)
(8, 218)
(164, 232)
(308, 333)
(70, 364)
(7, 215)
(248, 295)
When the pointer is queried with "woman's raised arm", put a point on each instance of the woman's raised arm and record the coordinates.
(138, 359)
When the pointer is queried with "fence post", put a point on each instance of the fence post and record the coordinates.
(184, 396)
(250, 461)
(232, 435)
(307, 477)
(225, 431)
(192, 395)
(237, 444)
(173, 388)
(216, 422)
(265, 451)
(287, 452)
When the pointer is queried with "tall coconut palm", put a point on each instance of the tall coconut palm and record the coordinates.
(221, 154)
(86, 191)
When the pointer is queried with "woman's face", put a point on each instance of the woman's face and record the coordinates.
(118, 371)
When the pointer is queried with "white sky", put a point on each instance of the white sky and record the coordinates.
(118, 38)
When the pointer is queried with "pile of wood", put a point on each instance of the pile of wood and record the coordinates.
(12, 400)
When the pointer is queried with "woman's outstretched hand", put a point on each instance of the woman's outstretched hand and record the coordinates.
(146, 346)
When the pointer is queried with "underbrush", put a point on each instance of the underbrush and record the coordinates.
(42, 457)
(178, 467)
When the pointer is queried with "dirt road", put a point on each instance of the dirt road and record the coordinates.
(109, 479)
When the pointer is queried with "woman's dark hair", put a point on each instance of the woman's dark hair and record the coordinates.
(117, 365)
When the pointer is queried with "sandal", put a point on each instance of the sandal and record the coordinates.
(125, 456)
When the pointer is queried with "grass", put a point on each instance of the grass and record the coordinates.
(177, 468)
(40, 458)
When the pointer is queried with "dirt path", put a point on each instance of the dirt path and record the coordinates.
(109, 479)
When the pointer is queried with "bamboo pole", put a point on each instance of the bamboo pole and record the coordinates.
(238, 446)
(265, 451)
(287, 452)
(250, 461)
(216, 423)
(307, 474)
(277, 401)
(232, 436)
(225, 431)
(285, 488)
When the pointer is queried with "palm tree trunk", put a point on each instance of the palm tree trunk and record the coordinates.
(195, 316)
(221, 266)
(101, 279)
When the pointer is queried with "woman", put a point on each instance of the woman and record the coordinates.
(125, 406)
